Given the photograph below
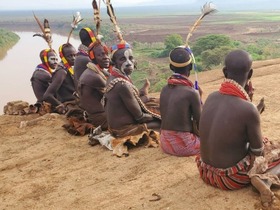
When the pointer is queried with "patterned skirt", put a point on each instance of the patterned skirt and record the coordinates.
(232, 178)
(179, 143)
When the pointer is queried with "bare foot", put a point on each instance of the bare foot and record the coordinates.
(145, 89)
(267, 196)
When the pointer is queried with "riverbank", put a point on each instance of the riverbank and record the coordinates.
(7, 40)
(19, 64)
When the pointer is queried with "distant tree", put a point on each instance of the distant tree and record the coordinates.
(211, 42)
(172, 41)
(214, 57)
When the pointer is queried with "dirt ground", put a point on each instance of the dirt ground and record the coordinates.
(44, 167)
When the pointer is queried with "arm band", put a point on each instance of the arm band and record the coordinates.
(257, 150)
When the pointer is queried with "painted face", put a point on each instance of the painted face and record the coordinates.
(69, 53)
(52, 60)
(101, 56)
(124, 61)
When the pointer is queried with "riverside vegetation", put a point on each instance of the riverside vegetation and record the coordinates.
(7, 40)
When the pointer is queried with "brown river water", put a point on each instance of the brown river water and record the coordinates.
(17, 66)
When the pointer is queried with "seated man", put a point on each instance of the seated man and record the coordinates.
(230, 133)
(126, 112)
(180, 108)
(91, 85)
(42, 76)
(82, 58)
(60, 91)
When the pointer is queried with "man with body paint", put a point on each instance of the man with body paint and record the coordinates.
(42, 76)
(126, 112)
(61, 90)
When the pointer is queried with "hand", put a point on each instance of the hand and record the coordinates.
(145, 118)
(249, 89)
(195, 128)
(61, 109)
(261, 106)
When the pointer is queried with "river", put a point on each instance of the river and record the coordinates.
(17, 66)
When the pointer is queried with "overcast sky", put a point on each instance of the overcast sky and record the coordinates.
(83, 4)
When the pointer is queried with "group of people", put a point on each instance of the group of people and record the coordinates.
(224, 133)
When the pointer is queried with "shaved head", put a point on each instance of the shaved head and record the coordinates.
(238, 65)
(238, 62)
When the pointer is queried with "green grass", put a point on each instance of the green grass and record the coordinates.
(7, 40)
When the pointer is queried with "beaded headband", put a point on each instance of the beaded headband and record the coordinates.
(64, 61)
(91, 34)
(116, 47)
(45, 58)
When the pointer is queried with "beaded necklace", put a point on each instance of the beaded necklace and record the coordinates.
(179, 79)
(117, 73)
(230, 87)
(97, 70)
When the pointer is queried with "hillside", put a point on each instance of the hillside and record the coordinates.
(44, 167)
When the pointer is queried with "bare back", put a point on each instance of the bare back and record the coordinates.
(228, 126)
(178, 105)
(121, 106)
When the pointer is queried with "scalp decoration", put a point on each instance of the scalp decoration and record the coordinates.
(46, 31)
(76, 21)
(96, 15)
(208, 8)
(111, 13)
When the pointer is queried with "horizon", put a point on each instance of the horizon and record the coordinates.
(160, 9)
(191, 5)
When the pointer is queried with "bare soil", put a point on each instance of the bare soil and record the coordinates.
(44, 167)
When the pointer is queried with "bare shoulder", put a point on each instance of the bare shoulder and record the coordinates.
(250, 109)
(212, 96)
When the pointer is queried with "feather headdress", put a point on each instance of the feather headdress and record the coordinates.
(208, 8)
(76, 21)
(96, 15)
(46, 31)
(111, 13)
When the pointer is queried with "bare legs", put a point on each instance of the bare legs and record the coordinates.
(263, 186)
(267, 196)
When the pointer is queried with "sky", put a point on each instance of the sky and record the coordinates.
(84, 4)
